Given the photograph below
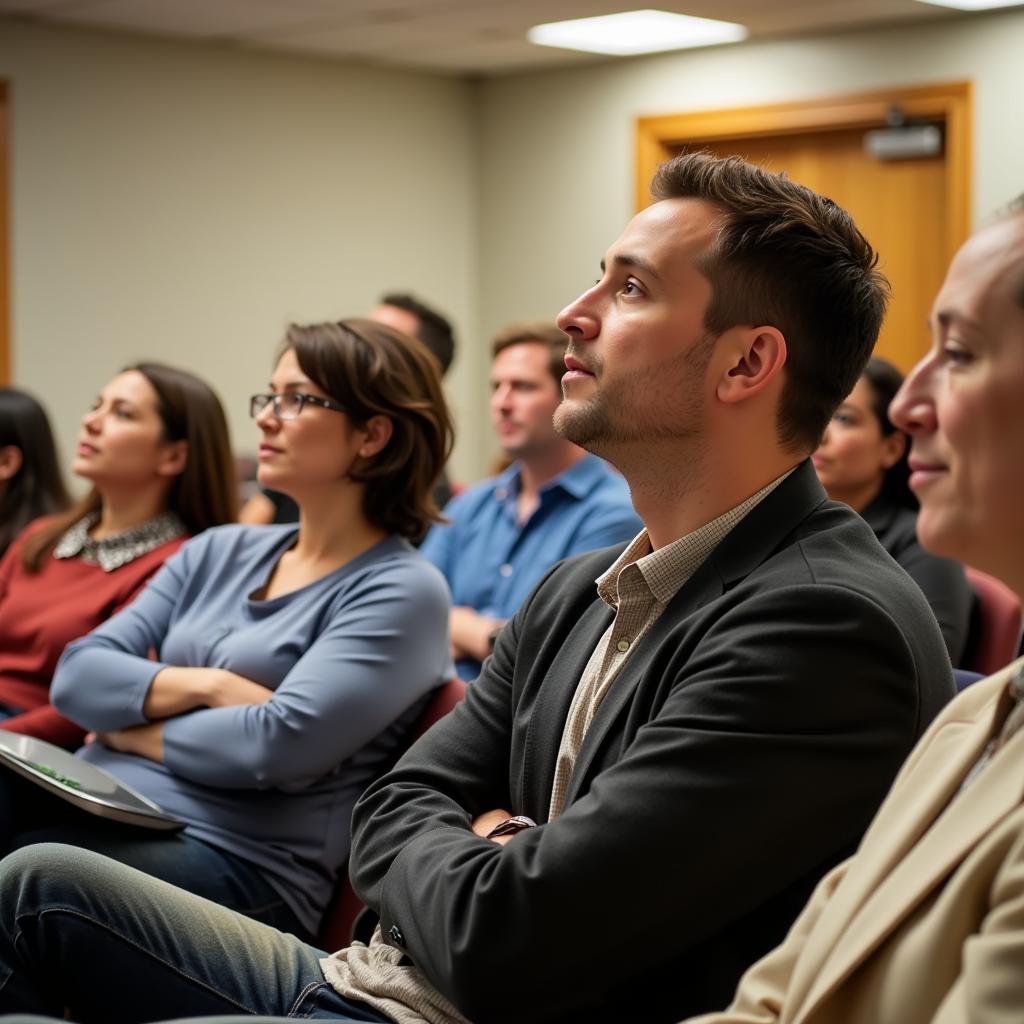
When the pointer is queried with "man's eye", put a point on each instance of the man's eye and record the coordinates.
(956, 355)
(630, 288)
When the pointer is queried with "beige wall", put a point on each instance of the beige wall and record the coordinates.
(184, 202)
(557, 148)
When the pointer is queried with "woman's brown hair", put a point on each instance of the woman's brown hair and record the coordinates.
(204, 493)
(37, 489)
(373, 370)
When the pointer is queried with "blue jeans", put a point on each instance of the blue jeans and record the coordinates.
(30, 815)
(82, 933)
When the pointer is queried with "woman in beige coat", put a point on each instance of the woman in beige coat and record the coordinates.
(925, 924)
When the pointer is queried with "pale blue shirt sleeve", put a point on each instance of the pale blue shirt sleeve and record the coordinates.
(440, 547)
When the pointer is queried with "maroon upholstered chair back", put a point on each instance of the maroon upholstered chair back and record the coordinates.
(340, 916)
(999, 623)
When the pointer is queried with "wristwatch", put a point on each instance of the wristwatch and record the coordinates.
(510, 826)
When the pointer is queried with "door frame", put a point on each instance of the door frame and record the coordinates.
(659, 137)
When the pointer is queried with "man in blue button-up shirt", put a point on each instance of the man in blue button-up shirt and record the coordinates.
(555, 500)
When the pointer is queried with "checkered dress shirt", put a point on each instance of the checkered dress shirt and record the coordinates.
(638, 586)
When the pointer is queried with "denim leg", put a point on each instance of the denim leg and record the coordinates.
(81, 932)
(30, 815)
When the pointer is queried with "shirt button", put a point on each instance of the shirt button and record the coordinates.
(622, 646)
(505, 570)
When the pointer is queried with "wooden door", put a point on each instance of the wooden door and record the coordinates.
(914, 212)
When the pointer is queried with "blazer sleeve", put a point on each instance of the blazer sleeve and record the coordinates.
(778, 736)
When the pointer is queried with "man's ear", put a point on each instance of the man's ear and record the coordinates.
(174, 460)
(756, 356)
(10, 461)
(378, 430)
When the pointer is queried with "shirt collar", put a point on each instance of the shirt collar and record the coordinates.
(577, 481)
(666, 570)
(580, 478)
(111, 553)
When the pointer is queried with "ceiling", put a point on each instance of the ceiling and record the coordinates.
(455, 37)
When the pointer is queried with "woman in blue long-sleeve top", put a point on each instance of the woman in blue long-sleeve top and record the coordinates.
(267, 674)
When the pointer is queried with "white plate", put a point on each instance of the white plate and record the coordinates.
(97, 791)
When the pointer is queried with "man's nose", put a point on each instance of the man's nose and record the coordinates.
(912, 410)
(578, 319)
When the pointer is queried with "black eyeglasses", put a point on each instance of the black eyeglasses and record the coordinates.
(287, 405)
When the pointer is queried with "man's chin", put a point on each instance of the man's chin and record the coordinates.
(579, 424)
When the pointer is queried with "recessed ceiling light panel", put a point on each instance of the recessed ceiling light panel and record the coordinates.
(972, 5)
(636, 32)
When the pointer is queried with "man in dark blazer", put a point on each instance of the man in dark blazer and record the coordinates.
(670, 744)
(749, 734)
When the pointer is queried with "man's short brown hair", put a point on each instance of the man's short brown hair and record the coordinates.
(539, 332)
(788, 258)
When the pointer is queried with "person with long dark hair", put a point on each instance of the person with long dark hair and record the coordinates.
(269, 673)
(155, 448)
(862, 461)
(31, 484)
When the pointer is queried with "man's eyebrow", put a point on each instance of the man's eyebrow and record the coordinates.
(630, 260)
(948, 318)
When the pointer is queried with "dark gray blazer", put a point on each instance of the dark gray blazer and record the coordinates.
(741, 752)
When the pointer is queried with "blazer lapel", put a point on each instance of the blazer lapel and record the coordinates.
(745, 548)
(705, 586)
(547, 717)
(926, 828)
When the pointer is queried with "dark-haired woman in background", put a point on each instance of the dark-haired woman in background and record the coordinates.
(862, 461)
(155, 448)
(30, 482)
(291, 660)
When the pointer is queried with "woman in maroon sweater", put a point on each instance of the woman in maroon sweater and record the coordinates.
(155, 448)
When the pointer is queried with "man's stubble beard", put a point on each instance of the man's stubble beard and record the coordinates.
(649, 405)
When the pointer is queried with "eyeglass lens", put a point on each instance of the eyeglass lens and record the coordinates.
(287, 404)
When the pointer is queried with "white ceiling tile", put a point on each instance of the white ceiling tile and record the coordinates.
(449, 36)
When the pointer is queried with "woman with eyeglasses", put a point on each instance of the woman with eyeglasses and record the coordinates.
(269, 673)
(154, 446)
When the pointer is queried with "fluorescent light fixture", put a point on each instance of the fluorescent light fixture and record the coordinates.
(972, 5)
(636, 32)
